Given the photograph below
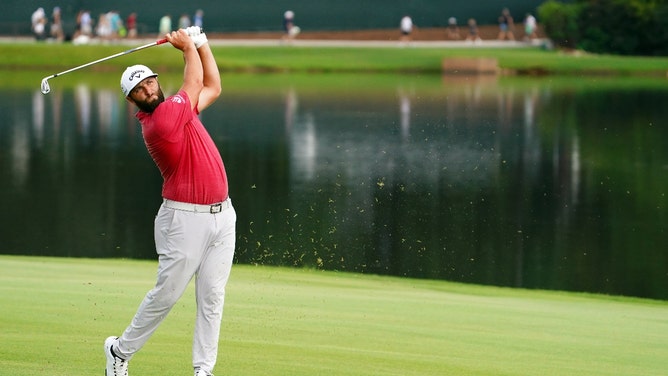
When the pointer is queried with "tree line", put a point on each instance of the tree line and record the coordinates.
(623, 27)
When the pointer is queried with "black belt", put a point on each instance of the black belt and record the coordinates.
(197, 208)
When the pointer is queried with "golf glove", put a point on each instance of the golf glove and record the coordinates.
(199, 40)
(193, 30)
(197, 36)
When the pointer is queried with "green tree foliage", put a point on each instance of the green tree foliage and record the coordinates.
(560, 22)
(625, 27)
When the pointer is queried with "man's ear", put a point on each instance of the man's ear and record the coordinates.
(130, 100)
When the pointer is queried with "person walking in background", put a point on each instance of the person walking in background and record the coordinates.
(86, 22)
(39, 21)
(184, 21)
(195, 225)
(529, 27)
(289, 28)
(506, 25)
(406, 28)
(118, 29)
(103, 28)
(131, 24)
(165, 24)
(453, 29)
(56, 31)
(473, 31)
(84, 28)
(288, 21)
(198, 19)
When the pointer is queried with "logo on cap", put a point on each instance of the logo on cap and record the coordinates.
(135, 73)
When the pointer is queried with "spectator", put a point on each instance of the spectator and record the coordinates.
(84, 28)
(131, 24)
(57, 25)
(184, 21)
(103, 29)
(39, 21)
(453, 29)
(529, 27)
(288, 21)
(506, 25)
(165, 25)
(406, 28)
(198, 20)
(473, 31)
(86, 22)
(116, 25)
(291, 30)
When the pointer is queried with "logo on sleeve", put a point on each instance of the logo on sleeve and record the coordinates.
(178, 99)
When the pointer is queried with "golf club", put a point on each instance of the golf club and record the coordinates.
(45, 81)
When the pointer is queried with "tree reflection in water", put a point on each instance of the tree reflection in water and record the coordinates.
(474, 180)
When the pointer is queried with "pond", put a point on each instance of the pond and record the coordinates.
(538, 183)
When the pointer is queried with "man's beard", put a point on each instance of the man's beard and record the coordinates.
(150, 106)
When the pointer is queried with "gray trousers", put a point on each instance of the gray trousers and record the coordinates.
(188, 244)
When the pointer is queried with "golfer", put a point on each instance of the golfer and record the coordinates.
(195, 225)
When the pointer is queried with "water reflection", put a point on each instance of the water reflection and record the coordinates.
(468, 179)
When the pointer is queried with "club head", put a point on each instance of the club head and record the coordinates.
(45, 86)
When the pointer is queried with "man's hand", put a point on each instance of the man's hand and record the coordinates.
(197, 35)
(179, 39)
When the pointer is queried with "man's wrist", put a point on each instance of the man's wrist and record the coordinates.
(199, 40)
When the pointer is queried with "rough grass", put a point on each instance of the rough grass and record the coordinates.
(56, 313)
(53, 58)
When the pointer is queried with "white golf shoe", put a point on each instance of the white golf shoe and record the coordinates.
(115, 365)
(201, 372)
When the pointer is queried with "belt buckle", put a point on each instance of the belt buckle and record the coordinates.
(217, 208)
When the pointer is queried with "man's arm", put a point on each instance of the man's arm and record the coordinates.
(212, 86)
(193, 72)
(211, 76)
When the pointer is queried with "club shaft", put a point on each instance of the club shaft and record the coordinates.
(161, 41)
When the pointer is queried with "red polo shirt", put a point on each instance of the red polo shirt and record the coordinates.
(188, 159)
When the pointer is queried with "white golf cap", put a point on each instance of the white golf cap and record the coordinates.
(134, 75)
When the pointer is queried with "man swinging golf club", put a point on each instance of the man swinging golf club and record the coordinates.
(195, 225)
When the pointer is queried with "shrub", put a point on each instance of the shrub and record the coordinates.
(560, 22)
(615, 26)
(626, 27)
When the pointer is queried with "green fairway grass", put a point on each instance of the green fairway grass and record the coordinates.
(54, 58)
(56, 312)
